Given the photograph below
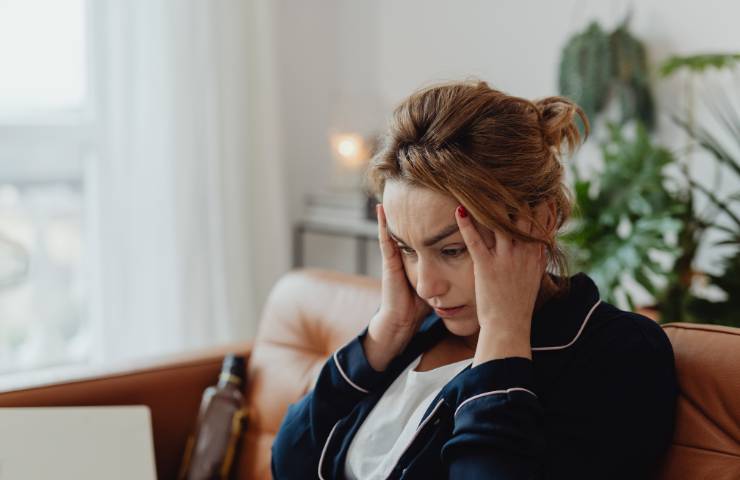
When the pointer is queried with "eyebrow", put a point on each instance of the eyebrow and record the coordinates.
(446, 232)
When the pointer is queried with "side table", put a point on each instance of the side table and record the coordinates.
(361, 231)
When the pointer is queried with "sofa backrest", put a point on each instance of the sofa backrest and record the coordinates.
(311, 313)
(706, 443)
(308, 315)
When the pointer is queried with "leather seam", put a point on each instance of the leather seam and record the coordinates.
(704, 414)
(301, 348)
(699, 329)
(704, 449)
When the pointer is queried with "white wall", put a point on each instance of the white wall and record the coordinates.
(387, 48)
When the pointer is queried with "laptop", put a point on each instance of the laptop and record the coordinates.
(81, 443)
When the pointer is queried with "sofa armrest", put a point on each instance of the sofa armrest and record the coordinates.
(171, 386)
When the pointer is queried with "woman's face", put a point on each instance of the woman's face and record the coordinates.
(438, 266)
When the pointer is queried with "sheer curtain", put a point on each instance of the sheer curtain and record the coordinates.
(188, 218)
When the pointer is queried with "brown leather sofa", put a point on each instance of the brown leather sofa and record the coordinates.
(310, 313)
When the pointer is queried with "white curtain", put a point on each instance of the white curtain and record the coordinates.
(186, 188)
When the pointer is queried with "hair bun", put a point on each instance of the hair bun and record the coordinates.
(558, 122)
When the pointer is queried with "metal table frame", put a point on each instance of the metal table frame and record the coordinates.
(361, 230)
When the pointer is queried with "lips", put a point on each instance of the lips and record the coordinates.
(448, 312)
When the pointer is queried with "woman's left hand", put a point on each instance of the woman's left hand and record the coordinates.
(508, 275)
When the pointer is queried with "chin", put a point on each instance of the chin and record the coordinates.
(462, 327)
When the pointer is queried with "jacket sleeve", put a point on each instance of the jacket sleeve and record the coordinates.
(612, 416)
(621, 422)
(345, 379)
(498, 423)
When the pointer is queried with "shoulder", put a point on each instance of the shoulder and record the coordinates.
(610, 322)
(627, 339)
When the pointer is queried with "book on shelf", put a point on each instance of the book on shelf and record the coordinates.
(335, 205)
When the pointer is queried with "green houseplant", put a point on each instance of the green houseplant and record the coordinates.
(724, 118)
(626, 217)
(597, 67)
(625, 214)
(634, 222)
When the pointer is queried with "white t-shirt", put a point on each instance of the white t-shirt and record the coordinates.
(392, 423)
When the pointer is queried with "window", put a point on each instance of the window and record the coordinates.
(45, 125)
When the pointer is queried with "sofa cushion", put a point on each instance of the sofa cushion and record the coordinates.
(308, 315)
(706, 443)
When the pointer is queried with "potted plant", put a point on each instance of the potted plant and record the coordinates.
(723, 115)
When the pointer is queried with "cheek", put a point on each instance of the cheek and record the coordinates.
(467, 280)
(461, 277)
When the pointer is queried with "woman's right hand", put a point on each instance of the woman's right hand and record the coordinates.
(401, 309)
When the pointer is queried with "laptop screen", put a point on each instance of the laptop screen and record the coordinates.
(82, 443)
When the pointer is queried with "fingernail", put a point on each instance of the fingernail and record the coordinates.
(461, 211)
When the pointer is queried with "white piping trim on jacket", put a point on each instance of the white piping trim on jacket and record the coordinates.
(418, 429)
(341, 371)
(323, 450)
(494, 392)
(583, 325)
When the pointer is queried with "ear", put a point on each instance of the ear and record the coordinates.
(546, 215)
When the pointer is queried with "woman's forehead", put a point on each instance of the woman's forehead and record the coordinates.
(398, 195)
(415, 212)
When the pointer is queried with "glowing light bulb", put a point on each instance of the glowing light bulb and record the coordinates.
(350, 150)
(347, 147)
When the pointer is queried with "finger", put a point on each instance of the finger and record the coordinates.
(383, 238)
(389, 250)
(472, 238)
(503, 241)
(533, 249)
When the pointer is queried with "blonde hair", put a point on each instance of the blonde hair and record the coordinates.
(485, 148)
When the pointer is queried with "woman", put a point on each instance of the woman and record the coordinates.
(484, 360)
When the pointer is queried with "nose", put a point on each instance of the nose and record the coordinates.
(430, 280)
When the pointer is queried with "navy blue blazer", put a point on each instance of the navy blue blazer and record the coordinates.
(597, 400)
